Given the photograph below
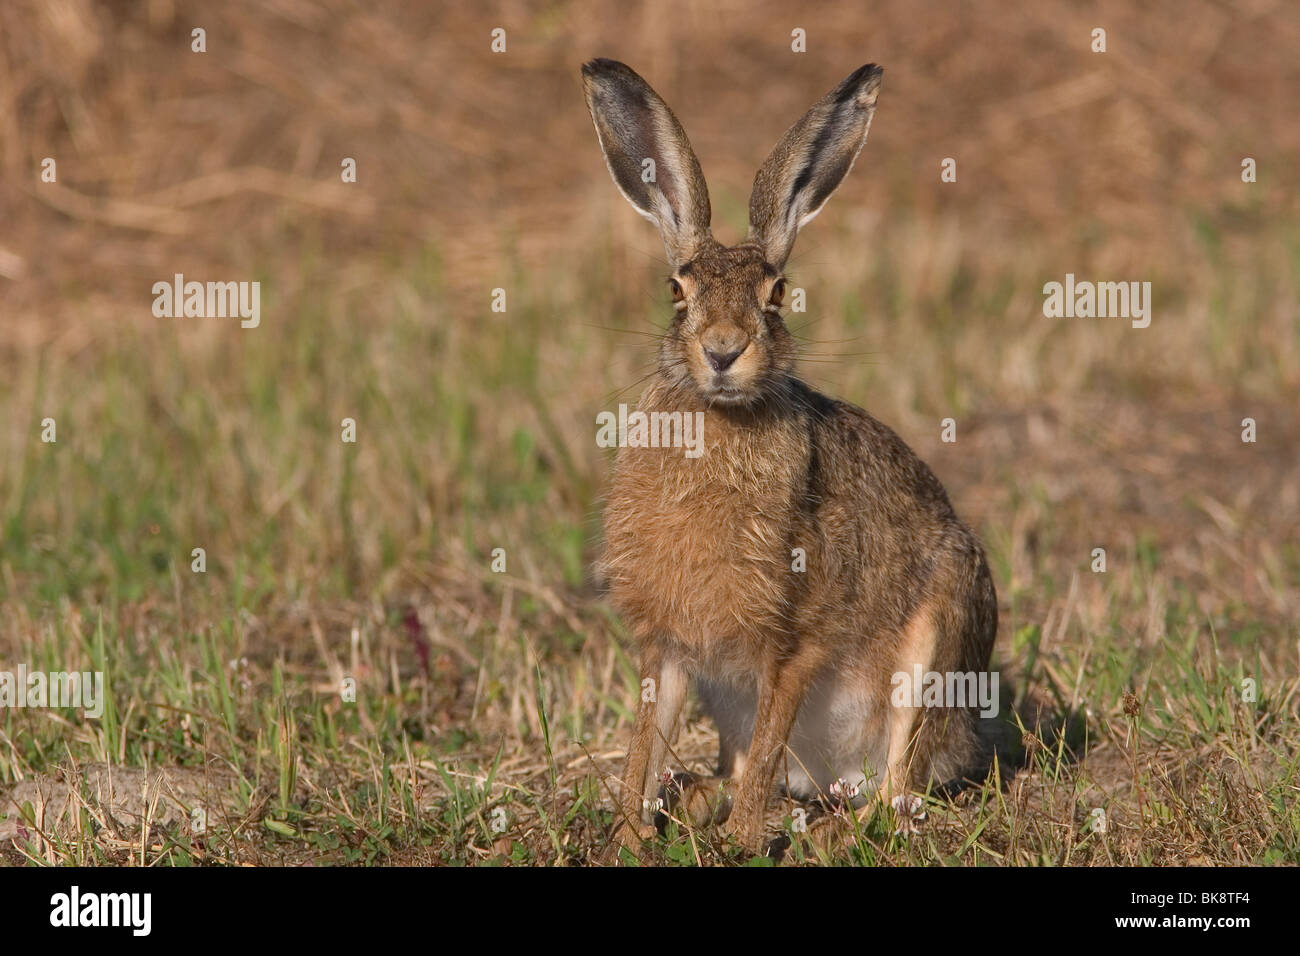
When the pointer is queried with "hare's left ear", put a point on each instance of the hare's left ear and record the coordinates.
(649, 156)
(811, 160)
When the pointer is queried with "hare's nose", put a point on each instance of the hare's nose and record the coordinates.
(721, 361)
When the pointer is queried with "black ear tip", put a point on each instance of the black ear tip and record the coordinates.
(868, 75)
(603, 66)
(861, 86)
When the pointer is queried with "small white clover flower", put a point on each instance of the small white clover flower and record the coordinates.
(841, 789)
(909, 809)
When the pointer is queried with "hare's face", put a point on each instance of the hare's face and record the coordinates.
(727, 340)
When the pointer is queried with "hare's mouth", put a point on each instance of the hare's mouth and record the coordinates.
(724, 392)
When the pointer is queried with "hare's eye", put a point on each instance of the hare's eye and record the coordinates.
(777, 298)
(675, 288)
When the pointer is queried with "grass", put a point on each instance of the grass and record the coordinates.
(491, 706)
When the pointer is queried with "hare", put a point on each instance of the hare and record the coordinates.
(806, 555)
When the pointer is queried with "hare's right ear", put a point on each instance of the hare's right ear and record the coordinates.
(649, 156)
(812, 159)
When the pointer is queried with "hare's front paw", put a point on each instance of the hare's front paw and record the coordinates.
(693, 800)
(746, 828)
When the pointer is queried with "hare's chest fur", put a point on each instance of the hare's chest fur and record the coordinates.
(698, 550)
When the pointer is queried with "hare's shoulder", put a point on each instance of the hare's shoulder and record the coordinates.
(857, 456)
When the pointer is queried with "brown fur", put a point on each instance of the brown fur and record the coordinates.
(698, 551)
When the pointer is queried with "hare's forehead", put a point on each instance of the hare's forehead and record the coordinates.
(722, 265)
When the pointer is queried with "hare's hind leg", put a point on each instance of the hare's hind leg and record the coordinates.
(915, 652)
(949, 743)
(937, 742)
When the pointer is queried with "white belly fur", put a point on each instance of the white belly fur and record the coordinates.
(832, 739)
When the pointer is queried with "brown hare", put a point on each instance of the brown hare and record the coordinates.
(806, 555)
